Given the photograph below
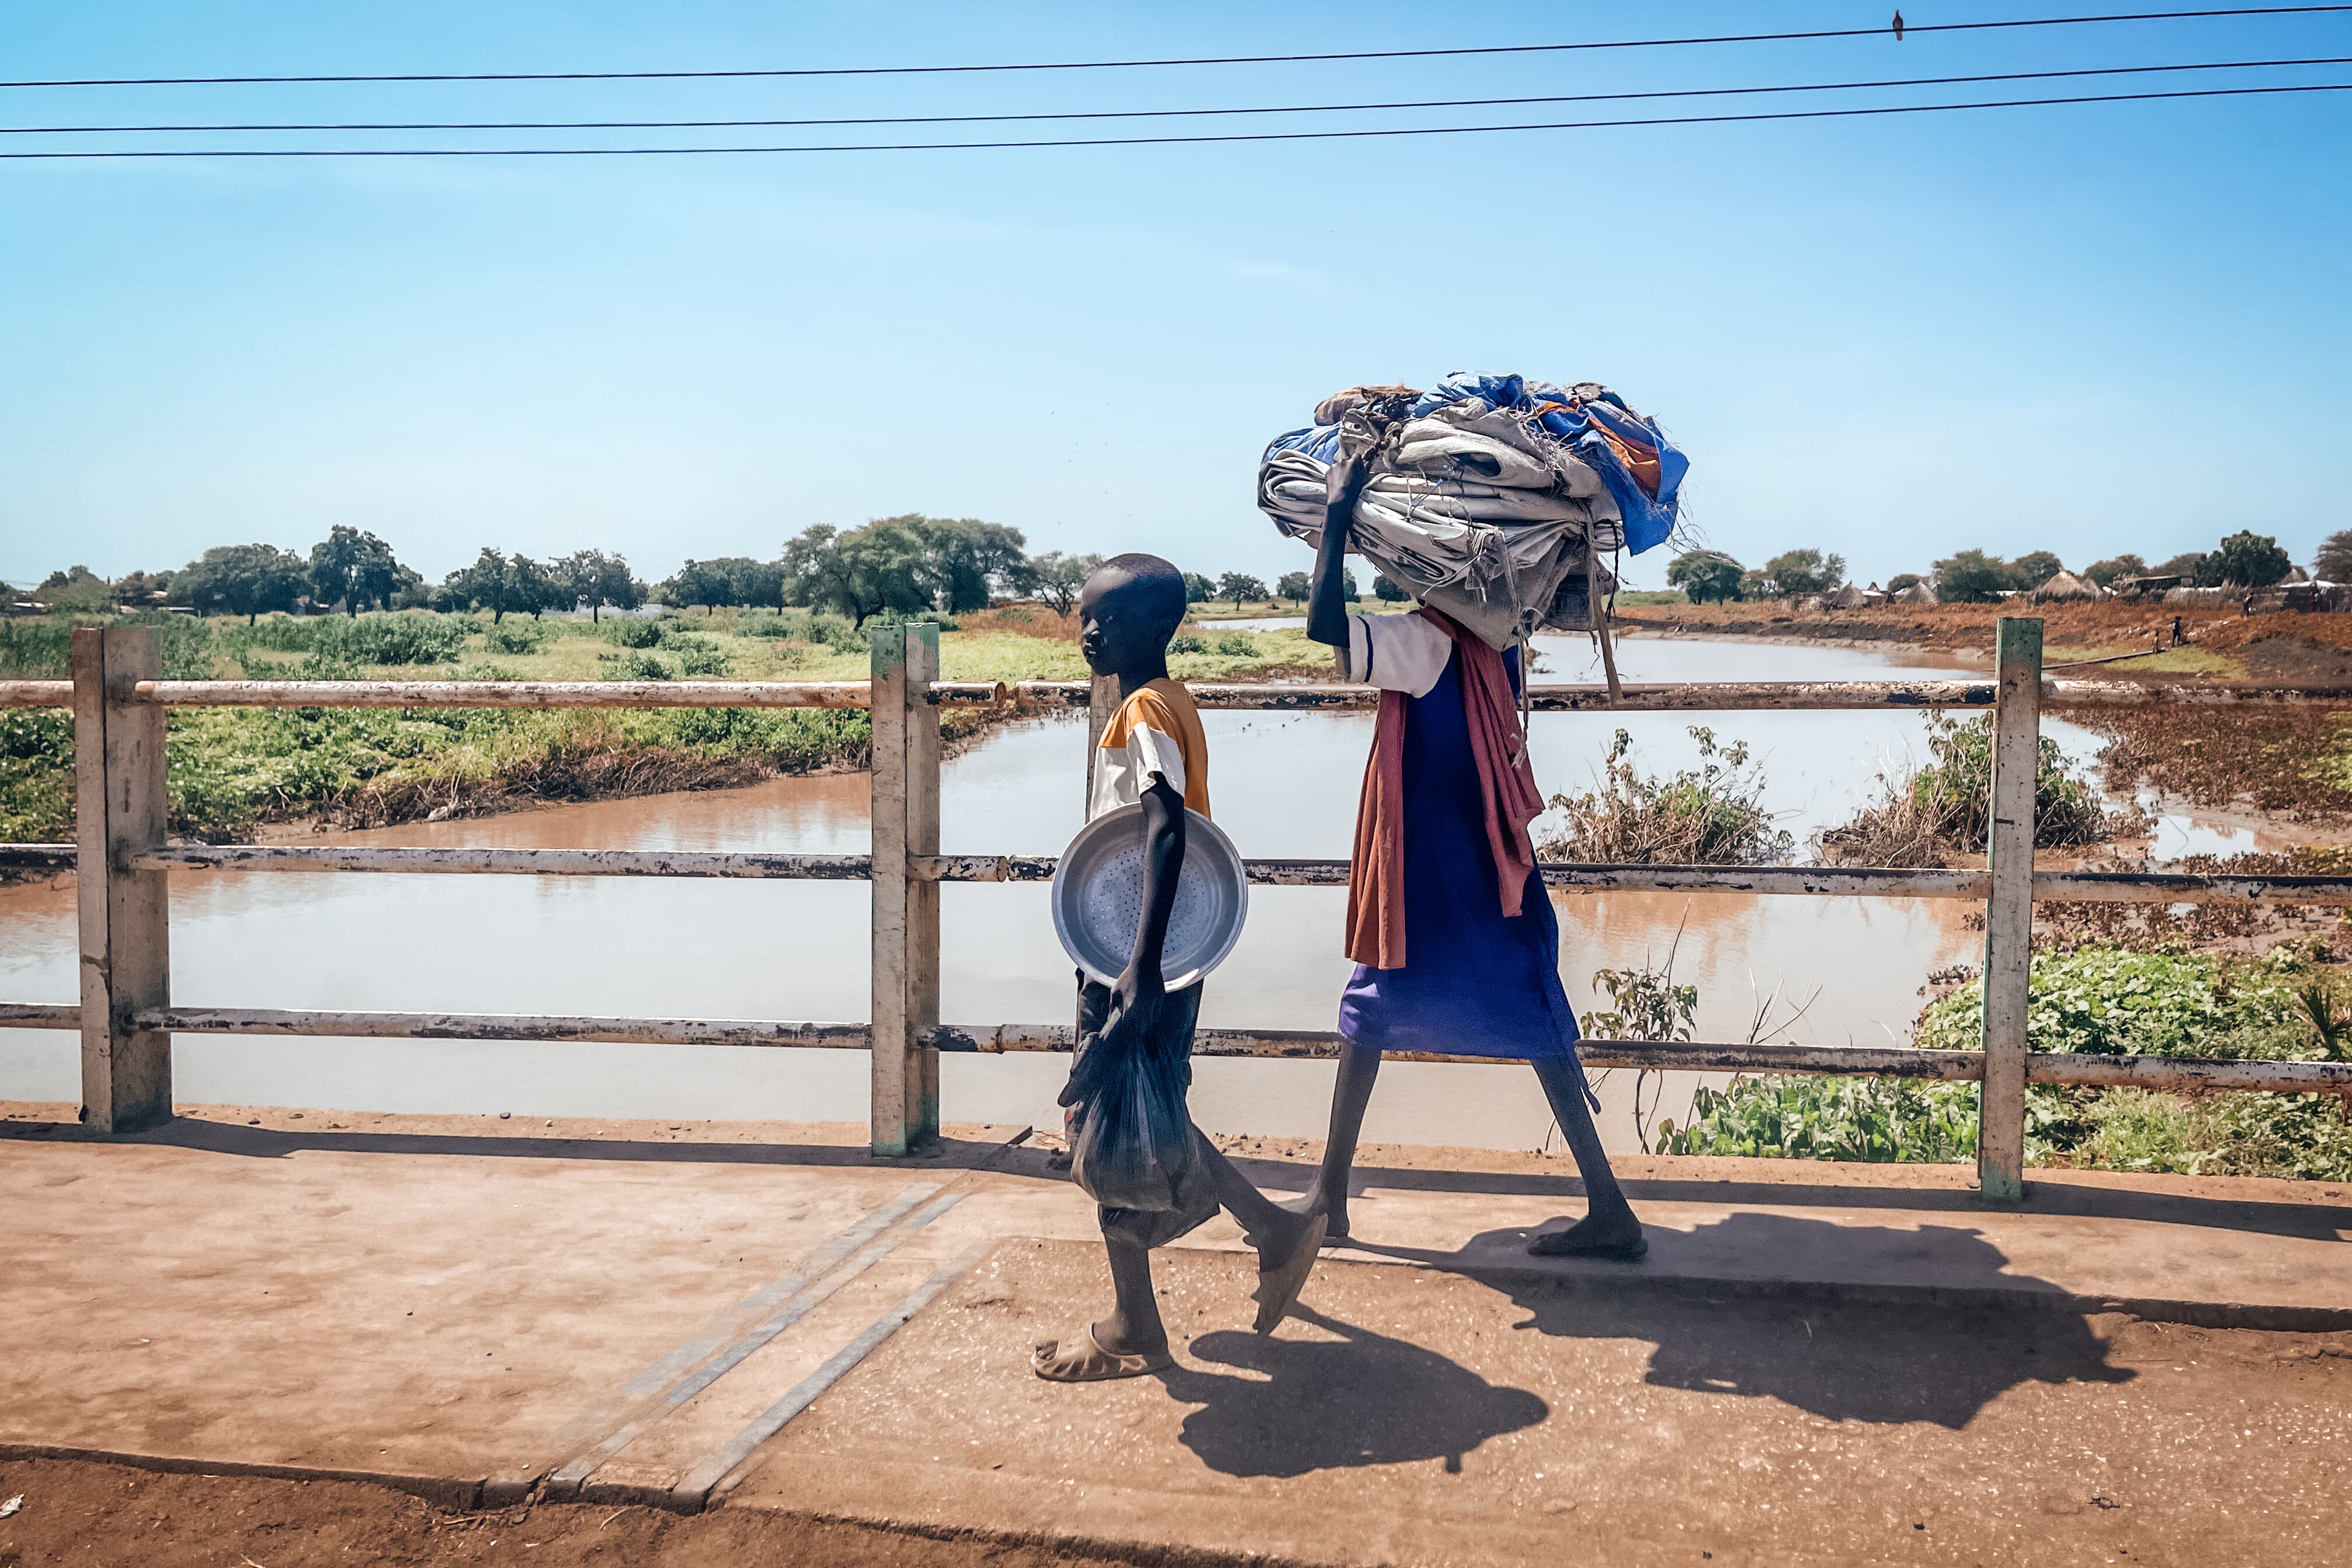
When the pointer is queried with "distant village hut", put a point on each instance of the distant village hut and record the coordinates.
(1846, 598)
(2065, 585)
(1920, 592)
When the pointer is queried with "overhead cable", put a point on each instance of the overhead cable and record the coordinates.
(1165, 140)
(1167, 113)
(1908, 29)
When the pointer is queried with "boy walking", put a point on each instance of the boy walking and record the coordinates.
(1154, 755)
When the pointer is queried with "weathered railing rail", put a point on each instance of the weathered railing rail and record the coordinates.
(1809, 882)
(2175, 1073)
(121, 861)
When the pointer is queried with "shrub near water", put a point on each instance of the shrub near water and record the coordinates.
(1945, 807)
(1711, 817)
(2095, 1001)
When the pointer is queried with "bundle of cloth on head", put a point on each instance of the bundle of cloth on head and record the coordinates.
(1492, 497)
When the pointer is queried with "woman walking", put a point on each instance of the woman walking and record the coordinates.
(1457, 947)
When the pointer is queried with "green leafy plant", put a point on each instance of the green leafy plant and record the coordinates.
(518, 636)
(1881, 1120)
(393, 637)
(700, 657)
(625, 631)
(1644, 1004)
(639, 666)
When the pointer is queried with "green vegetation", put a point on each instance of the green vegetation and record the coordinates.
(2333, 563)
(2187, 659)
(1879, 1119)
(234, 769)
(1706, 576)
(2094, 1000)
(1713, 815)
(1710, 575)
(37, 781)
(1942, 808)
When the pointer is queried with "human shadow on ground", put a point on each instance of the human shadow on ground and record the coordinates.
(1320, 1405)
(2326, 1217)
(1913, 1348)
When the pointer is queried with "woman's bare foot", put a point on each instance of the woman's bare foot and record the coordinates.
(1334, 1217)
(1084, 1357)
(1616, 1235)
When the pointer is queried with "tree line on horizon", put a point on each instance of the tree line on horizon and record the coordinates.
(913, 564)
(892, 566)
(2245, 559)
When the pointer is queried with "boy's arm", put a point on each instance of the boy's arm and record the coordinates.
(1141, 984)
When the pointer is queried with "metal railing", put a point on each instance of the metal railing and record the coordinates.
(123, 861)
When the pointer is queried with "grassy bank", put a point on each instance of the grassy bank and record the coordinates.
(2294, 1004)
(233, 769)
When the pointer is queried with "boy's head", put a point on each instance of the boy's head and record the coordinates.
(1128, 611)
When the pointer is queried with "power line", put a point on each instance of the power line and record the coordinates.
(1171, 113)
(1192, 61)
(1167, 140)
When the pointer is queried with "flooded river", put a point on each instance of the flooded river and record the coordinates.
(1284, 784)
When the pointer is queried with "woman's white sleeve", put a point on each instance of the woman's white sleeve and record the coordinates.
(1397, 653)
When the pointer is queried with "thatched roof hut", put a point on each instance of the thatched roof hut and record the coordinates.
(1919, 592)
(1846, 598)
(2063, 585)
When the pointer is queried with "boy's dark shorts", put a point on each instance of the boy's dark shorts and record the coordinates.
(1196, 1197)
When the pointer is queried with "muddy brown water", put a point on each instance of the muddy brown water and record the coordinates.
(1831, 971)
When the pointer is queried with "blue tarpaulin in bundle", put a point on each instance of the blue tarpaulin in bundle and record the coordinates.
(1491, 496)
(1619, 445)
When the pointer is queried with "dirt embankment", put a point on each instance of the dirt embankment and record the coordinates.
(77, 1511)
(2283, 649)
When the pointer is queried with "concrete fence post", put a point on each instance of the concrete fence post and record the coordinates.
(120, 811)
(2009, 908)
(904, 1106)
(923, 894)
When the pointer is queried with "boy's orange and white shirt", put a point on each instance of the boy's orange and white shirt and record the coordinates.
(1156, 733)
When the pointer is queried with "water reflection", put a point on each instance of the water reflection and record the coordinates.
(1283, 784)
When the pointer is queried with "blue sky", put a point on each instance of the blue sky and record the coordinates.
(2089, 329)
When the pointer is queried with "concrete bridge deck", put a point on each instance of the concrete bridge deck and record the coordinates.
(1826, 1363)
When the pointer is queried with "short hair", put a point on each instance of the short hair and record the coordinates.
(1157, 582)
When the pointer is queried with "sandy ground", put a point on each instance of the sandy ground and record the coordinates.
(1454, 1420)
(1815, 1363)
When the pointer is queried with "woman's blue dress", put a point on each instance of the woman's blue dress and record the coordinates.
(1474, 983)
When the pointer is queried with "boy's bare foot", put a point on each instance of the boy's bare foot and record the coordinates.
(1284, 1261)
(1617, 1236)
(1082, 1358)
